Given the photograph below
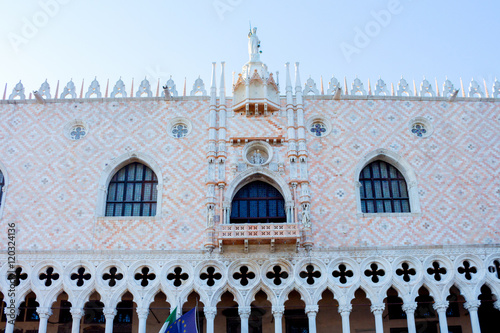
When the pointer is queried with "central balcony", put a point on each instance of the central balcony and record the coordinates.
(260, 233)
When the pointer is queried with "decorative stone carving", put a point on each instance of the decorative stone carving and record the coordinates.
(173, 90)
(254, 46)
(475, 89)
(94, 88)
(333, 86)
(310, 87)
(118, 89)
(45, 90)
(69, 89)
(404, 88)
(306, 215)
(426, 89)
(495, 90)
(145, 88)
(381, 88)
(357, 87)
(210, 216)
(18, 91)
(377, 308)
(448, 88)
(198, 87)
(257, 153)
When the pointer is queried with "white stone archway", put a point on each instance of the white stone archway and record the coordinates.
(259, 174)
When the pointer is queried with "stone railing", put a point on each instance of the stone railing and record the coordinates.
(262, 233)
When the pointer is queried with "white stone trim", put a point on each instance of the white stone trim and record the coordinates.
(259, 174)
(259, 262)
(406, 170)
(114, 166)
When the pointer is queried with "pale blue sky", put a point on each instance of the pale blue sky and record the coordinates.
(158, 38)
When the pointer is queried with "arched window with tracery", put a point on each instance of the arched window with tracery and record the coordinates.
(132, 191)
(383, 189)
(258, 202)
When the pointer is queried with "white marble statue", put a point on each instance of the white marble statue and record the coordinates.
(253, 45)
(257, 157)
(306, 216)
(211, 216)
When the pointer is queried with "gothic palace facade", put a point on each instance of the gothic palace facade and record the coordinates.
(343, 209)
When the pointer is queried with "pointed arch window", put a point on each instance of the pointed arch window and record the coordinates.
(383, 189)
(132, 191)
(258, 202)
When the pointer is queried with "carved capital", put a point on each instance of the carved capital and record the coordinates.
(377, 309)
(345, 309)
(472, 305)
(11, 313)
(312, 310)
(278, 311)
(43, 312)
(409, 308)
(441, 306)
(77, 313)
(109, 313)
(210, 312)
(142, 312)
(244, 312)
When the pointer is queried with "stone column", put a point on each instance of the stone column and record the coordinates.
(76, 315)
(44, 313)
(409, 309)
(278, 318)
(109, 314)
(345, 311)
(377, 310)
(496, 305)
(441, 307)
(312, 311)
(11, 314)
(474, 320)
(244, 312)
(142, 313)
(210, 313)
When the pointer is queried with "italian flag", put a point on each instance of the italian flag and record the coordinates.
(171, 318)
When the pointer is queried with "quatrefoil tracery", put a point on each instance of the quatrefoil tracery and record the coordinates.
(495, 268)
(342, 273)
(310, 274)
(178, 276)
(277, 275)
(374, 272)
(145, 276)
(80, 277)
(244, 274)
(49, 276)
(406, 272)
(17, 276)
(210, 276)
(467, 270)
(112, 276)
(436, 270)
